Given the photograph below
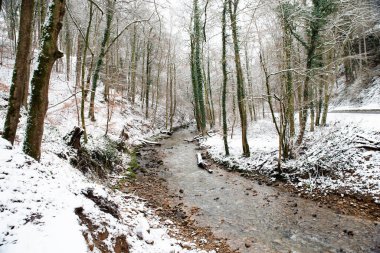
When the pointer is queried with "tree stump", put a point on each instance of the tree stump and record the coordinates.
(76, 135)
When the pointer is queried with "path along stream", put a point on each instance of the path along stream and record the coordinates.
(260, 218)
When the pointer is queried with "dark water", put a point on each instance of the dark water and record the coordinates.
(271, 221)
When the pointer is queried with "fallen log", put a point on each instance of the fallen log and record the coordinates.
(149, 142)
(372, 142)
(211, 134)
(167, 132)
(202, 164)
(369, 147)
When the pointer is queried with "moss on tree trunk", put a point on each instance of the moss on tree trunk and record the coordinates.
(102, 54)
(20, 77)
(239, 77)
(41, 78)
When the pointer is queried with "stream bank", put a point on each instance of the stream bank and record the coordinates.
(252, 216)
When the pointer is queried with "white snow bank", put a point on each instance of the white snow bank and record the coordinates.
(332, 159)
(37, 203)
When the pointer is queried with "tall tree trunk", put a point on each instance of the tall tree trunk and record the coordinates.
(149, 49)
(68, 48)
(89, 74)
(132, 94)
(78, 72)
(173, 95)
(106, 36)
(11, 18)
(27, 73)
(250, 103)
(194, 82)
(206, 94)
(142, 91)
(239, 77)
(198, 66)
(41, 78)
(41, 18)
(83, 71)
(312, 108)
(212, 124)
(319, 103)
(306, 92)
(158, 78)
(20, 77)
(326, 88)
(167, 89)
(224, 69)
(289, 80)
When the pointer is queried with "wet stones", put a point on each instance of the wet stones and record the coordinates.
(348, 233)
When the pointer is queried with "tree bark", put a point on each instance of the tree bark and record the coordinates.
(132, 94)
(239, 77)
(198, 67)
(212, 124)
(289, 80)
(99, 64)
(78, 72)
(83, 84)
(326, 88)
(41, 19)
(224, 69)
(20, 78)
(68, 48)
(41, 77)
(194, 82)
(148, 74)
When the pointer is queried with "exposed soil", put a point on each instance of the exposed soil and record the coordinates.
(95, 235)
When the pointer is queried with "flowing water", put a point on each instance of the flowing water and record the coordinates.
(260, 216)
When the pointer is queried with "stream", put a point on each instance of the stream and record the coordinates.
(259, 218)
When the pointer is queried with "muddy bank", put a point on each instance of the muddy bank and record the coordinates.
(252, 216)
(152, 186)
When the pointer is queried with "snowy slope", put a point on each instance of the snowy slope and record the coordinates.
(44, 206)
(361, 95)
(37, 204)
(332, 159)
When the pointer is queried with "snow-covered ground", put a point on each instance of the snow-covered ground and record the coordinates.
(43, 206)
(38, 200)
(332, 159)
(361, 95)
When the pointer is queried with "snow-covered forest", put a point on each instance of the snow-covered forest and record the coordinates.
(160, 126)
